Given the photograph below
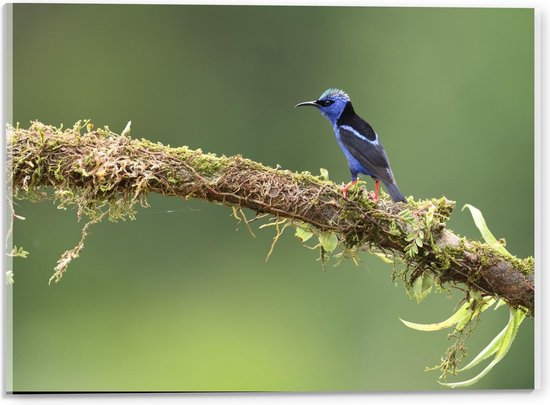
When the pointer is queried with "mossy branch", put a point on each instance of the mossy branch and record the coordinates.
(99, 172)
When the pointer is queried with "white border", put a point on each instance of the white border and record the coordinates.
(538, 202)
(541, 222)
(6, 114)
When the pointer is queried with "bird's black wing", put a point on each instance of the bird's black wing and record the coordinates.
(371, 155)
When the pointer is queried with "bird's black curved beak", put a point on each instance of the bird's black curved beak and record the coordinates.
(310, 103)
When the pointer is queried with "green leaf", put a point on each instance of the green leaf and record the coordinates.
(328, 241)
(393, 229)
(462, 312)
(324, 173)
(407, 215)
(418, 242)
(484, 230)
(480, 307)
(500, 303)
(303, 233)
(127, 129)
(459, 318)
(471, 381)
(422, 286)
(487, 352)
(517, 316)
(499, 345)
(430, 215)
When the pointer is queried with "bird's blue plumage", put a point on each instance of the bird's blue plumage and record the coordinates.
(354, 165)
(357, 139)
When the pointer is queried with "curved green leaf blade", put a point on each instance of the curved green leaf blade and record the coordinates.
(517, 316)
(500, 345)
(463, 311)
(487, 352)
(484, 230)
(480, 307)
(459, 318)
(473, 380)
(500, 303)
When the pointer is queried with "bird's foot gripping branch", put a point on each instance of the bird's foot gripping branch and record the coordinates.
(103, 174)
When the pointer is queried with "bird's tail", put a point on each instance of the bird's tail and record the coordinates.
(394, 192)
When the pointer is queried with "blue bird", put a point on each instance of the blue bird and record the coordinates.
(358, 141)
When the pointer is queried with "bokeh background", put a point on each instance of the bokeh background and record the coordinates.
(179, 299)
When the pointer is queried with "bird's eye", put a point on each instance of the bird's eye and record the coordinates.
(326, 103)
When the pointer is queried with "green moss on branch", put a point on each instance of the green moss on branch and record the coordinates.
(99, 172)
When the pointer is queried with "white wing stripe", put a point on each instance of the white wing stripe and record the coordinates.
(357, 134)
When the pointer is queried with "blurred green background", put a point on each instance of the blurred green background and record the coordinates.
(179, 299)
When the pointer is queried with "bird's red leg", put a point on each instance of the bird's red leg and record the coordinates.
(345, 189)
(376, 187)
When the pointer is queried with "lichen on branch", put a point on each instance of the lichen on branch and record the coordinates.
(99, 172)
